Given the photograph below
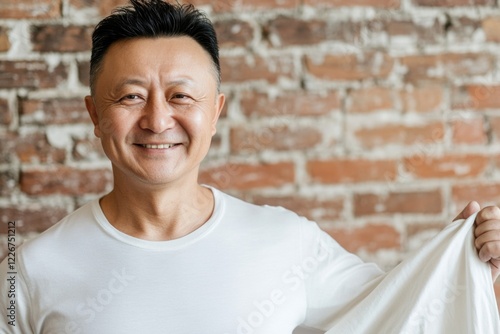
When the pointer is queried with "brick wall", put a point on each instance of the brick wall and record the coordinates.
(380, 119)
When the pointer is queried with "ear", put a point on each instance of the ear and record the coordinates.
(91, 108)
(219, 105)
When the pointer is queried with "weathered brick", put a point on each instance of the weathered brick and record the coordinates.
(371, 237)
(418, 234)
(462, 29)
(280, 137)
(83, 72)
(424, 166)
(486, 193)
(248, 176)
(494, 123)
(314, 208)
(8, 182)
(30, 219)
(245, 5)
(88, 149)
(60, 38)
(105, 7)
(469, 131)
(453, 3)
(303, 103)
(423, 99)
(416, 202)
(372, 65)
(30, 74)
(26, 9)
(231, 33)
(442, 66)
(285, 31)
(421, 34)
(351, 170)
(8, 140)
(370, 99)
(4, 39)
(35, 148)
(348, 3)
(241, 69)
(476, 97)
(64, 180)
(397, 134)
(5, 112)
(491, 27)
(53, 111)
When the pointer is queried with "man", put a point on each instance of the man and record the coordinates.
(161, 253)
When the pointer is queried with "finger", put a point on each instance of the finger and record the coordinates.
(469, 209)
(489, 225)
(492, 238)
(489, 251)
(488, 213)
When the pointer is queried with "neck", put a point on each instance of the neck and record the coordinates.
(163, 213)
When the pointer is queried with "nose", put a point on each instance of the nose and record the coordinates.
(157, 116)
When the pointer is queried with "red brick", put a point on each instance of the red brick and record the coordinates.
(349, 3)
(301, 103)
(249, 176)
(469, 131)
(280, 137)
(491, 27)
(30, 74)
(453, 3)
(423, 99)
(5, 112)
(88, 149)
(54, 111)
(314, 208)
(484, 193)
(239, 69)
(4, 40)
(371, 238)
(345, 171)
(421, 233)
(397, 134)
(35, 148)
(350, 67)
(105, 6)
(30, 219)
(463, 29)
(370, 99)
(65, 181)
(476, 97)
(8, 182)
(417, 202)
(231, 33)
(60, 38)
(461, 166)
(26, 9)
(285, 31)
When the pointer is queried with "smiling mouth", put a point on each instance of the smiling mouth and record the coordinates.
(157, 147)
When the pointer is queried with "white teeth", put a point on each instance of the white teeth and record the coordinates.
(158, 146)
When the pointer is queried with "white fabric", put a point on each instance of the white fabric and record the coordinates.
(249, 269)
(441, 288)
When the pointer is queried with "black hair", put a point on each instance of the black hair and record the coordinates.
(152, 19)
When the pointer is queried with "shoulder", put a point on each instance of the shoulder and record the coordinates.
(62, 234)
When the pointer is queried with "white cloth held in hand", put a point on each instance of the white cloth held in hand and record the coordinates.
(442, 288)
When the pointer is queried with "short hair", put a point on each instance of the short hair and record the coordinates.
(152, 19)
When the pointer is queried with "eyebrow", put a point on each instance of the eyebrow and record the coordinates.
(139, 82)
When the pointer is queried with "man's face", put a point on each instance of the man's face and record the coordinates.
(155, 108)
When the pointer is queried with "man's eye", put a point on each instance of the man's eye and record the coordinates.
(131, 97)
(180, 96)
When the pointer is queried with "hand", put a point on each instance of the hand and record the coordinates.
(487, 234)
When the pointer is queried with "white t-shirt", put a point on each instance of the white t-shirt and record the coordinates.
(248, 269)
